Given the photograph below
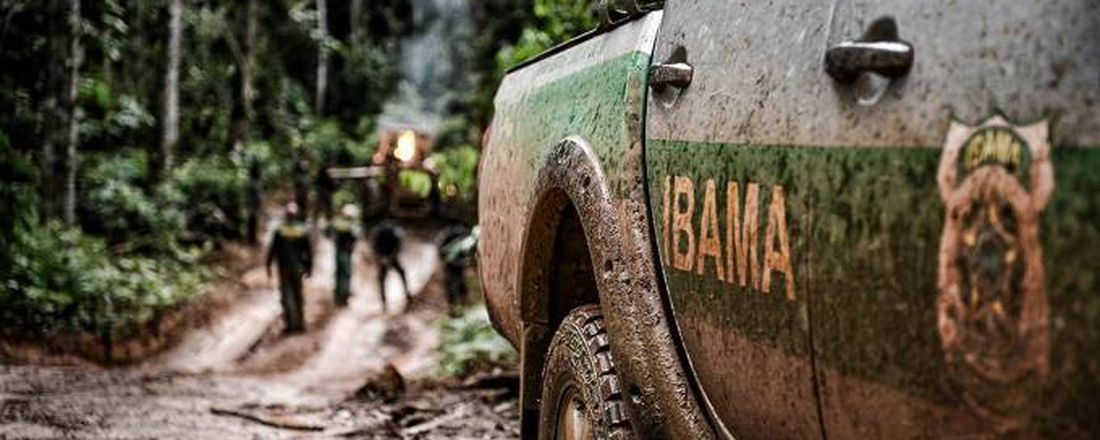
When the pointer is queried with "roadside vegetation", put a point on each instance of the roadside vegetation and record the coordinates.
(127, 126)
(470, 344)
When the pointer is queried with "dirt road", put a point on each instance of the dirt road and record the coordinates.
(238, 376)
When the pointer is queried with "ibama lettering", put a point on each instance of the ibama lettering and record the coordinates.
(694, 240)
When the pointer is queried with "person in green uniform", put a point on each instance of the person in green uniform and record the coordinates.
(457, 249)
(344, 231)
(291, 249)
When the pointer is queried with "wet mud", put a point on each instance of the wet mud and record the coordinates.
(236, 375)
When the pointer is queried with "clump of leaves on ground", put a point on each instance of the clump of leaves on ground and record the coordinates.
(469, 343)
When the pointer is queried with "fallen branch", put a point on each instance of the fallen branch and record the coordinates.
(506, 380)
(280, 421)
(438, 421)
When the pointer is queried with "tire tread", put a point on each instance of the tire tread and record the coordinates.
(588, 324)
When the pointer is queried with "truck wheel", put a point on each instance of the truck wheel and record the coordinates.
(581, 396)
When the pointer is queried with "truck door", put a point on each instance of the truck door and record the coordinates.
(888, 208)
(952, 219)
(730, 224)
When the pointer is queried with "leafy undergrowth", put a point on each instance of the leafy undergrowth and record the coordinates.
(115, 268)
(64, 279)
(470, 344)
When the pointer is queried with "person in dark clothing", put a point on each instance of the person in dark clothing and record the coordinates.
(325, 188)
(300, 175)
(457, 246)
(291, 249)
(435, 198)
(371, 202)
(390, 171)
(344, 231)
(255, 199)
(386, 244)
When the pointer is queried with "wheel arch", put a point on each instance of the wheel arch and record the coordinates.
(563, 188)
(562, 200)
(571, 185)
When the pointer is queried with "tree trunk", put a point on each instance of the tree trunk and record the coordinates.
(356, 28)
(50, 130)
(244, 113)
(76, 57)
(322, 56)
(47, 195)
(170, 118)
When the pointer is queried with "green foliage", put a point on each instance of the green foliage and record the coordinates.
(416, 182)
(85, 287)
(213, 191)
(18, 179)
(108, 33)
(345, 196)
(305, 16)
(207, 74)
(457, 168)
(511, 31)
(368, 76)
(122, 211)
(271, 168)
(555, 22)
(201, 202)
(107, 120)
(124, 257)
(327, 141)
(470, 343)
(55, 277)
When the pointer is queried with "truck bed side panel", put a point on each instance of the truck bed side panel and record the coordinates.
(585, 92)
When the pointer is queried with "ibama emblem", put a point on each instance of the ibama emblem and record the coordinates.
(995, 180)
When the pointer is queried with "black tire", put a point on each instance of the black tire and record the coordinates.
(579, 368)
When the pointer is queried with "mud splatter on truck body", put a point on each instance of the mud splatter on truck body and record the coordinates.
(565, 147)
(914, 313)
(784, 251)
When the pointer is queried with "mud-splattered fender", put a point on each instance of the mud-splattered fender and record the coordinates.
(618, 238)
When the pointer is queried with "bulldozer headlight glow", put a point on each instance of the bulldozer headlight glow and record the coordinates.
(406, 146)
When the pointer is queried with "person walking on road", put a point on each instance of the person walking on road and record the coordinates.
(344, 231)
(457, 248)
(300, 176)
(325, 187)
(291, 250)
(386, 243)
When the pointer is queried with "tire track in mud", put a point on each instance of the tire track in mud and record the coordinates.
(233, 333)
(354, 342)
(222, 364)
(340, 345)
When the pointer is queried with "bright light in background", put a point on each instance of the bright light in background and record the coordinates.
(406, 146)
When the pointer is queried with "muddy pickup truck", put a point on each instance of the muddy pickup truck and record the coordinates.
(803, 220)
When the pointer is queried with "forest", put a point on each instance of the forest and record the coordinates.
(127, 124)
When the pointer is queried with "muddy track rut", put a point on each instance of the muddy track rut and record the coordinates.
(238, 374)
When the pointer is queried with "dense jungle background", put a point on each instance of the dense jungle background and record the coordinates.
(126, 125)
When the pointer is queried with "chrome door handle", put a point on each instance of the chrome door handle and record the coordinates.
(879, 51)
(676, 75)
(845, 61)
